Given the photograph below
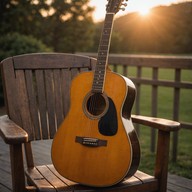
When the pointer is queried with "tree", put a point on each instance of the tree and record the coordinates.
(72, 25)
(167, 29)
(21, 16)
(65, 25)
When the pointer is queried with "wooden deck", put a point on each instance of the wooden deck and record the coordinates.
(42, 156)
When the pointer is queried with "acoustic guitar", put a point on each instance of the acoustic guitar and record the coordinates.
(96, 144)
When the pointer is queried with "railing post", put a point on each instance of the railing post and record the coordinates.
(115, 68)
(137, 101)
(176, 113)
(125, 70)
(154, 108)
(162, 158)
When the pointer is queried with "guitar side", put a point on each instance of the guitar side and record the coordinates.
(126, 118)
(81, 151)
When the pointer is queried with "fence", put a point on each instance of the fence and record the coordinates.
(178, 64)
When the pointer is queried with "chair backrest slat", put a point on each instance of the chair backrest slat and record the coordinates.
(31, 89)
(50, 98)
(39, 98)
(23, 103)
(41, 102)
(51, 61)
(65, 89)
(10, 88)
(58, 96)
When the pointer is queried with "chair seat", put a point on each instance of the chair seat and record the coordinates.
(46, 178)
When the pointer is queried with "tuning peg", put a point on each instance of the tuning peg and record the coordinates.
(122, 8)
(124, 4)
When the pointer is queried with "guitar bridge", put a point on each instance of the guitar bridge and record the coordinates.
(91, 142)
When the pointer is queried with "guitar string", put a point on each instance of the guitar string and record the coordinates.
(93, 100)
(92, 103)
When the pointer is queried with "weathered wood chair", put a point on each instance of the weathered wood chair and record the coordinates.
(36, 90)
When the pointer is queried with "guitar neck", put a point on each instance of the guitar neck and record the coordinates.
(102, 58)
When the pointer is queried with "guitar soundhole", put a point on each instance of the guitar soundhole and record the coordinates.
(95, 105)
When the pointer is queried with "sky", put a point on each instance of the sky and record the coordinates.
(141, 6)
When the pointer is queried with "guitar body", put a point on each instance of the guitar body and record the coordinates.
(96, 145)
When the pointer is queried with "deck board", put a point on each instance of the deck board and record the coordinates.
(179, 184)
(42, 156)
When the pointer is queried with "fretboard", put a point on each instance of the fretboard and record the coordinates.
(102, 58)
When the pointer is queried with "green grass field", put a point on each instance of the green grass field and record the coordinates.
(183, 166)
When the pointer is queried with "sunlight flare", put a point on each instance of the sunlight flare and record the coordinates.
(144, 11)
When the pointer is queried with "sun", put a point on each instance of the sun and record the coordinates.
(144, 11)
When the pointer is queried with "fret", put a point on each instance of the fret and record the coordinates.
(103, 53)
(99, 74)
(107, 31)
(97, 90)
(107, 25)
(99, 78)
(105, 36)
(103, 47)
(101, 61)
(105, 43)
(100, 67)
(98, 86)
(98, 82)
(102, 58)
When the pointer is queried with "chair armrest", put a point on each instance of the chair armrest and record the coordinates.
(158, 123)
(11, 132)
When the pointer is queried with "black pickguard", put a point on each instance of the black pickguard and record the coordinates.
(108, 124)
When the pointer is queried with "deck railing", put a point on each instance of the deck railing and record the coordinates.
(176, 65)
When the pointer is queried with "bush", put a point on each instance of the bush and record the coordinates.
(16, 44)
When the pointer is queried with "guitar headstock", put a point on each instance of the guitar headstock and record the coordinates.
(114, 6)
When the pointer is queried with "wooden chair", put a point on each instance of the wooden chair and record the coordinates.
(36, 90)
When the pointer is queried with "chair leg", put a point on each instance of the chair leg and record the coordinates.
(17, 168)
(162, 158)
